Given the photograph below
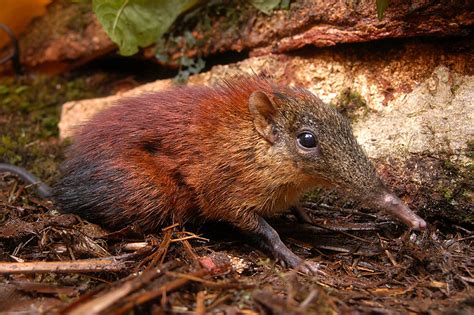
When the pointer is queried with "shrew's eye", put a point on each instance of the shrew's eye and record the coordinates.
(307, 140)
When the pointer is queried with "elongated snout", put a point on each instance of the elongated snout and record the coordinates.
(394, 206)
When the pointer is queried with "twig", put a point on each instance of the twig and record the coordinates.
(212, 284)
(310, 298)
(343, 232)
(170, 227)
(273, 304)
(313, 205)
(162, 250)
(135, 246)
(221, 298)
(77, 266)
(104, 301)
(464, 238)
(159, 254)
(190, 252)
(200, 306)
(29, 286)
(149, 295)
(390, 257)
(188, 238)
(463, 229)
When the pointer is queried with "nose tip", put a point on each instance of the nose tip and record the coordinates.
(397, 208)
(417, 223)
(422, 224)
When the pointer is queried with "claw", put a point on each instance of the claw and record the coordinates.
(310, 268)
(303, 266)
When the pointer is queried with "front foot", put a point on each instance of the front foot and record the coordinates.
(301, 265)
(269, 239)
(310, 268)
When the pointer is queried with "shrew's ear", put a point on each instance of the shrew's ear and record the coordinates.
(263, 113)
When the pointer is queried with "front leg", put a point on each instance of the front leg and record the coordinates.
(269, 239)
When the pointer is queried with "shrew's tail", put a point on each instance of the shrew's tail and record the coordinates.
(41, 188)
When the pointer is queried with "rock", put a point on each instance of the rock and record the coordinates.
(70, 35)
(437, 116)
(316, 23)
(67, 36)
(75, 112)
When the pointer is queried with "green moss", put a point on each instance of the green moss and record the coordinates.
(470, 149)
(312, 195)
(79, 19)
(188, 40)
(29, 116)
(64, 16)
(449, 166)
(448, 194)
(455, 88)
(351, 104)
(454, 186)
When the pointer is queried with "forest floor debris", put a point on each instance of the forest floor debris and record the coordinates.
(59, 263)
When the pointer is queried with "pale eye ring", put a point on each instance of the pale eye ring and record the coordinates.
(306, 140)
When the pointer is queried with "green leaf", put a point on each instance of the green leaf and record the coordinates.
(266, 6)
(381, 6)
(138, 23)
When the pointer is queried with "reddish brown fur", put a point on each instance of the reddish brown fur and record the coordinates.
(237, 152)
(180, 154)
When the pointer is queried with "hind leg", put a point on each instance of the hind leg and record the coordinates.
(159, 191)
